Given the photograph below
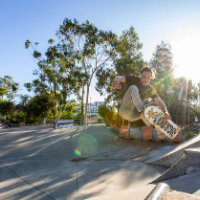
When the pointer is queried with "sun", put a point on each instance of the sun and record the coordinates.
(186, 52)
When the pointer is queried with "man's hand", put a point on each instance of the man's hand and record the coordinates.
(167, 117)
(116, 84)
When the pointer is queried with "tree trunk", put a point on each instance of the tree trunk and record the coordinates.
(86, 106)
(56, 120)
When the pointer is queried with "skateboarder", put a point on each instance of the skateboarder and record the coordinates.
(138, 89)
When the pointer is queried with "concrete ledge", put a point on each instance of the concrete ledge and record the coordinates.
(187, 164)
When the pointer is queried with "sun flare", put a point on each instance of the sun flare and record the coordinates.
(185, 48)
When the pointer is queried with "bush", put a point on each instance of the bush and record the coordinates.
(113, 117)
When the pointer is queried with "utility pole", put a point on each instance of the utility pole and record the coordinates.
(82, 105)
(90, 111)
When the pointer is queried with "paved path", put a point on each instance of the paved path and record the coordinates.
(35, 162)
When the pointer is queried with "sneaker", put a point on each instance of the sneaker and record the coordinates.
(161, 135)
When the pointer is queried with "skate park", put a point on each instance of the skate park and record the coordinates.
(100, 100)
(92, 162)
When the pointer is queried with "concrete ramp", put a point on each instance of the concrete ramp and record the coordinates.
(187, 164)
(172, 155)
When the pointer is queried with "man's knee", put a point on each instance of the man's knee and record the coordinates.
(133, 88)
(124, 114)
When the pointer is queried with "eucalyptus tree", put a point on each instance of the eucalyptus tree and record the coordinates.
(162, 62)
(127, 62)
(58, 73)
(95, 48)
(181, 100)
(177, 93)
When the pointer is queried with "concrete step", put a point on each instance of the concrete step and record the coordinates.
(170, 156)
(188, 163)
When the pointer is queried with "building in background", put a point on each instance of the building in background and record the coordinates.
(93, 108)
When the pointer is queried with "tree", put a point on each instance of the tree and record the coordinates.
(68, 112)
(104, 109)
(41, 106)
(6, 107)
(162, 62)
(58, 73)
(8, 87)
(94, 47)
(180, 100)
(177, 93)
(128, 62)
(24, 99)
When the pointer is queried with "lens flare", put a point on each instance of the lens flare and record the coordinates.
(77, 152)
(88, 144)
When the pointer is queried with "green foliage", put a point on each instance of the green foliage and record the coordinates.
(57, 74)
(28, 86)
(51, 41)
(180, 101)
(103, 110)
(163, 64)
(128, 61)
(27, 44)
(68, 112)
(36, 54)
(42, 106)
(93, 48)
(8, 87)
(6, 108)
(113, 118)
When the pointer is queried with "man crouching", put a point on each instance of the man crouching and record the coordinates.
(138, 89)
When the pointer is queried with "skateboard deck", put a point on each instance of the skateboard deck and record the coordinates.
(155, 116)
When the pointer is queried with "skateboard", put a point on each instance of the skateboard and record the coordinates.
(155, 116)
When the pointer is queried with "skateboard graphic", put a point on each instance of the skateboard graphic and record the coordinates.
(155, 116)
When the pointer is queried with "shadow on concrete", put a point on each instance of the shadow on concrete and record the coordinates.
(36, 162)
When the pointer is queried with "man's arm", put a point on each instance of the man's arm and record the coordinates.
(163, 107)
(117, 81)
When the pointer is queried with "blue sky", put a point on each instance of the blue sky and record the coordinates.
(176, 22)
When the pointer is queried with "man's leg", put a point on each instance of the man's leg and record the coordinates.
(132, 106)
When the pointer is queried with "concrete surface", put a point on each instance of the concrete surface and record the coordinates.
(35, 162)
(139, 193)
(171, 155)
